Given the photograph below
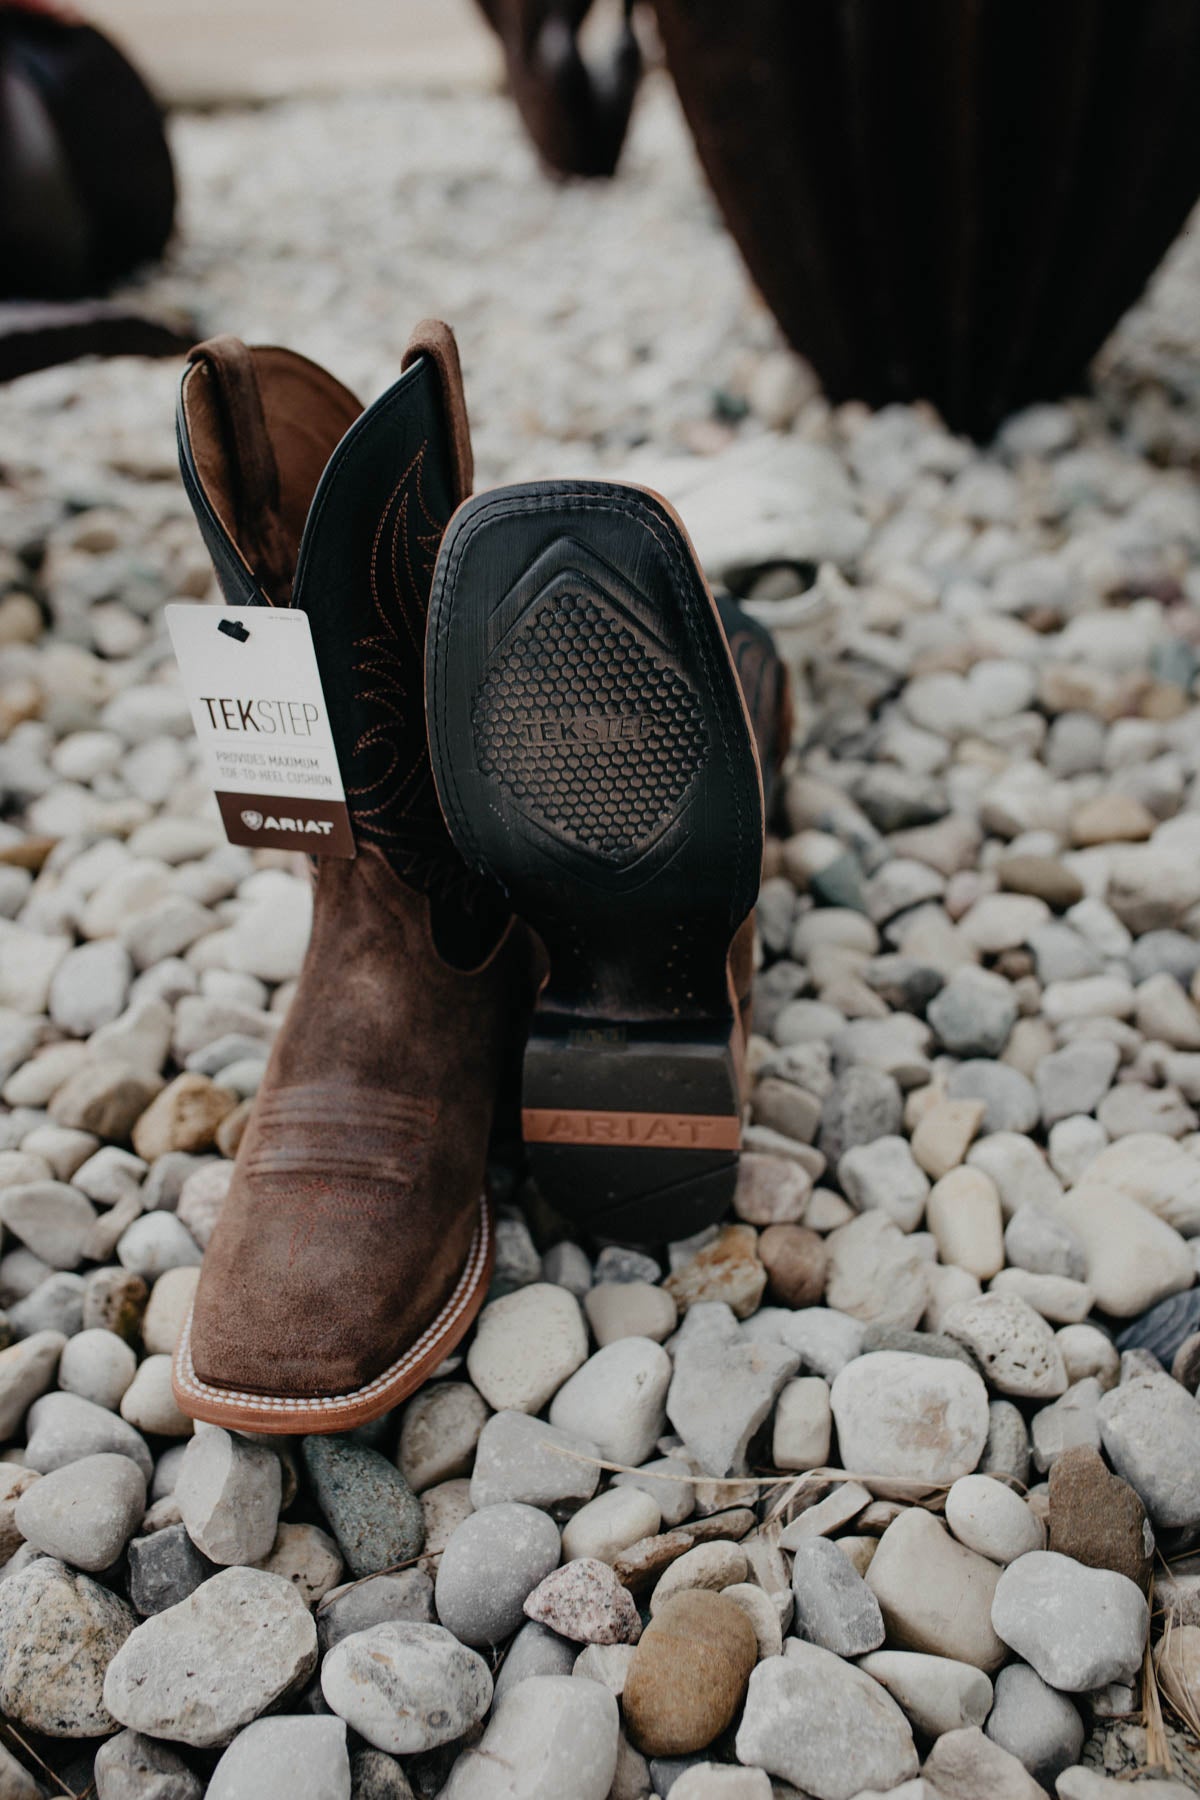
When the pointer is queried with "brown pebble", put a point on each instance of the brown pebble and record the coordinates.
(1043, 876)
(232, 1128)
(114, 1300)
(105, 1099)
(787, 1108)
(796, 1263)
(1112, 819)
(1097, 1518)
(727, 1269)
(688, 1675)
(640, 1566)
(184, 1116)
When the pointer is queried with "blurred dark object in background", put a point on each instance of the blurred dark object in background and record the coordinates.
(39, 333)
(576, 108)
(87, 191)
(951, 200)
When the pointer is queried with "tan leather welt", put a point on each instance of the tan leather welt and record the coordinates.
(631, 1130)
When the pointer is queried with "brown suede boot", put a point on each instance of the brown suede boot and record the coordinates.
(355, 1246)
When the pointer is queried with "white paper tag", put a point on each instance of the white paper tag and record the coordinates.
(251, 677)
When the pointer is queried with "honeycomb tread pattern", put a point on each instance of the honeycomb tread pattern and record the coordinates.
(588, 731)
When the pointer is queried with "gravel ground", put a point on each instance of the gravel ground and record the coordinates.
(911, 1435)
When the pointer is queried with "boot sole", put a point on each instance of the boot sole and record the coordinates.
(593, 756)
(245, 1410)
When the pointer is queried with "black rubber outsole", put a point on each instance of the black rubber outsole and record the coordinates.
(593, 756)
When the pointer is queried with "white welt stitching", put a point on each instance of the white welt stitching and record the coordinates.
(190, 1382)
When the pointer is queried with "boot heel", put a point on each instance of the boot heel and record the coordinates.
(638, 1128)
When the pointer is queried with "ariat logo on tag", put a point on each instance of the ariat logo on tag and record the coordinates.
(586, 725)
(317, 827)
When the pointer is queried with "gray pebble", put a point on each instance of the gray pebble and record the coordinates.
(229, 1491)
(1036, 1240)
(285, 1757)
(524, 1459)
(199, 1671)
(1007, 1451)
(406, 1687)
(51, 1218)
(56, 1304)
(164, 1568)
(490, 1566)
(63, 1428)
(534, 1651)
(84, 1513)
(27, 1369)
(1034, 1723)
(865, 1104)
(834, 1606)
(1010, 1100)
(974, 1013)
(407, 1595)
(1080, 1628)
(132, 1767)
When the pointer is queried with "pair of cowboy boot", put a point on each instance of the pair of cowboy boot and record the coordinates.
(557, 809)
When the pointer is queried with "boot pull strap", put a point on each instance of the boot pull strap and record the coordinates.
(435, 340)
(253, 468)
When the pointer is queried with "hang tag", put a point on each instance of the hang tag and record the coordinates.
(251, 677)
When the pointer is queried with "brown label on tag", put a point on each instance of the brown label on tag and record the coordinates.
(320, 827)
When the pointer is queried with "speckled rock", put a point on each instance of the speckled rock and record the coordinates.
(406, 1687)
(58, 1633)
(372, 1512)
(1013, 1345)
(585, 1602)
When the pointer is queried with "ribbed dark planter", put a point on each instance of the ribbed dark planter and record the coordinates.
(948, 199)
